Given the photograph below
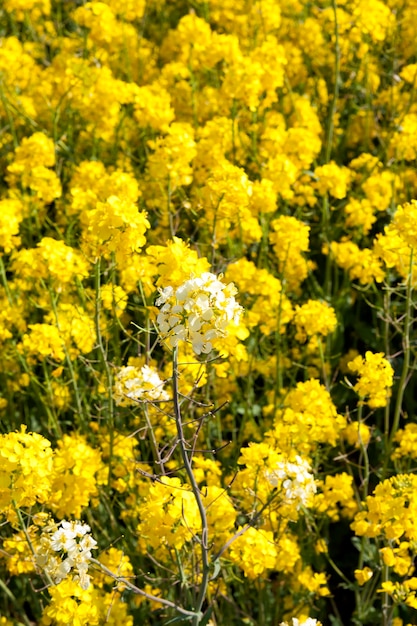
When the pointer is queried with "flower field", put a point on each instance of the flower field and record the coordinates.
(208, 264)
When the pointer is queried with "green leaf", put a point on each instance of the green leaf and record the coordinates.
(216, 569)
(206, 616)
(178, 619)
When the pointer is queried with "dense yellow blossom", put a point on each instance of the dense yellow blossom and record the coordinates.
(176, 260)
(314, 318)
(390, 511)
(332, 179)
(153, 107)
(290, 239)
(75, 328)
(12, 214)
(115, 226)
(169, 162)
(375, 378)
(296, 424)
(71, 604)
(26, 466)
(363, 265)
(405, 223)
(226, 203)
(406, 442)
(336, 497)
(42, 342)
(75, 476)
(255, 552)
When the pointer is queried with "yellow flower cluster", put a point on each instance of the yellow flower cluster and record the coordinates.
(314, 318)
(26, 469)
(296, 424)
(30, 168)
(390, 511)
(65, 479)
(375, 378)
(289, 239)
(169, 516)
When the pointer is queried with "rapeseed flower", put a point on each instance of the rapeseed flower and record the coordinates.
(64, 550)
(268, 142)
(198, 311)
(133, 384)
(26, 461)
(375, 378)
(11, 210)
(294, 481)
(314, 318)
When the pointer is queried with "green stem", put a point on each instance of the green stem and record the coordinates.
(68, 360)
(154, 445)
(406, 365)
(103, 358)
(323, 363)
(132, 587)
(10, 595)
(385, 598)
(5, 281)
(52, 417)
(9, 116)
(23, 527)
(364, 452)
(387, 302)
(332, 110)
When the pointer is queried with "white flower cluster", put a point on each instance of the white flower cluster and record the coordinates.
(198, 311)
(295, 481)
(66, 548)
(133, 384)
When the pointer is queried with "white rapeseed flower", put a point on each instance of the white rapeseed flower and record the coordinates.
(295, 481)
(198, 311)
(65, 550)
(138, 384)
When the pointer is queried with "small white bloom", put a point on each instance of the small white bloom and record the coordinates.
(63, 539)
(195, 322)
(295, 481)
(134, 384)
(198, 311)
(64, 549)
(165, 294)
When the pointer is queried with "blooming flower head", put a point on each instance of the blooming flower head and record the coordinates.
(26, 461)
(375, 378)
(295, 481)
(363, 575)
(198, 311)
(64, 548)
(405, 222)
(135, 384)
(314, 318)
